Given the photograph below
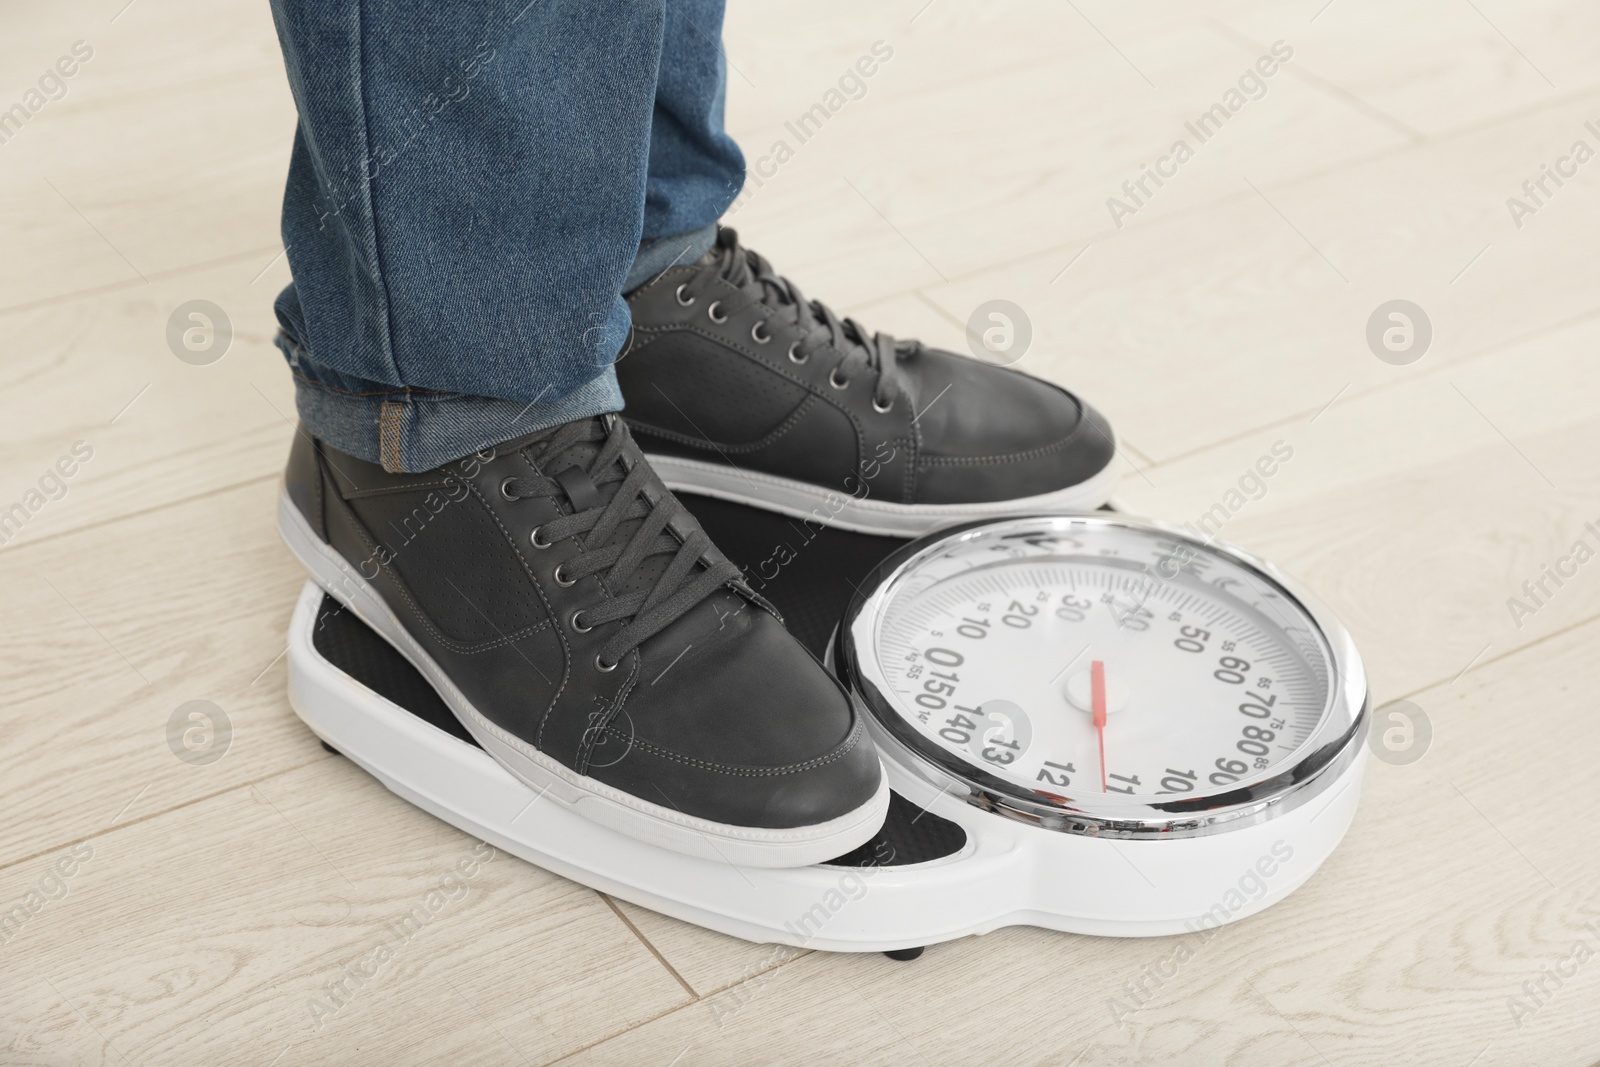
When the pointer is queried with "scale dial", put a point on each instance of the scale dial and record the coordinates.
(1104, 675)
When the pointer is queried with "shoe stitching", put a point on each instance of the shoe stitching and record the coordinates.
(341, 479)
(566, 649)
(322, 506)
(908, 480)
(914, 460)
(844, 749)
(449, 643)
(361, 494)
(1009, 457)
(593, 735)
(789, 422)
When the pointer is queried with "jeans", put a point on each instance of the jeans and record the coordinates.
(472, 188)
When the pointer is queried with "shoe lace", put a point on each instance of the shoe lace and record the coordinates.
(619, 481)
(878, 353)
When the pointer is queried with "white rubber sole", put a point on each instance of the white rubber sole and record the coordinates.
(839, 509)
(651, 823)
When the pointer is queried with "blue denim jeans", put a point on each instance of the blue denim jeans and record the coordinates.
(472, 188)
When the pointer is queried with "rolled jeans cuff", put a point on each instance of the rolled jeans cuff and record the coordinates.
(414, 430)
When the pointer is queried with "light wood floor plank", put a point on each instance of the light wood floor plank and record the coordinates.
(189, 101)
(976, 180)
(313, 913)
(1260, 305)
(709, 962)
(97, 372)
(1438, 65)
(109, 631)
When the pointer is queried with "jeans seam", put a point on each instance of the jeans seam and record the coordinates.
(380, 280)
(391, 429)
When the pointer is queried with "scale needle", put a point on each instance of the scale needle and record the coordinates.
(1097, 685)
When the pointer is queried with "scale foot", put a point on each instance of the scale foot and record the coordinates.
(905, 953)
(329, 748)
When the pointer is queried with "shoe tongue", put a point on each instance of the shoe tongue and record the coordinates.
(742, 261)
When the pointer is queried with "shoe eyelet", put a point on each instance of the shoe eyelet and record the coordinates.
(795, 355)
(577, 623)
(685, 303)
(883, 410)
(503, 493)
(533, 539)
(562, 580)
(601, 666)
(757, 336)
(836, 381)
(712, 312)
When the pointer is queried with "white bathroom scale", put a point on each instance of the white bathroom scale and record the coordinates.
(1091, 723)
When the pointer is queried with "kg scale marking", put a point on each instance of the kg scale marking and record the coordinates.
(1091, 723)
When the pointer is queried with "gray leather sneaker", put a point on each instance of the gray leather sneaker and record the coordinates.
(737, 386)
(586, 632)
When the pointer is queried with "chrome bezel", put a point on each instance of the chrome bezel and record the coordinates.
(1312, 768)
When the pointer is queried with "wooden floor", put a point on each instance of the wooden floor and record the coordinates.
(208, 906)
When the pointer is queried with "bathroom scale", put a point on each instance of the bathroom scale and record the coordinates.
(1090, 722)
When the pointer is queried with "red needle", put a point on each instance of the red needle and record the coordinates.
(1097, 685)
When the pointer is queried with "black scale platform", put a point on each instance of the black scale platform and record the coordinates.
(808, 572)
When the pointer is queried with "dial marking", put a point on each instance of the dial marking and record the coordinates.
(1191, 729)
(1097, 683)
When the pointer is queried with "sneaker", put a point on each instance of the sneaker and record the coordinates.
(586, 632)
(739, 387)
